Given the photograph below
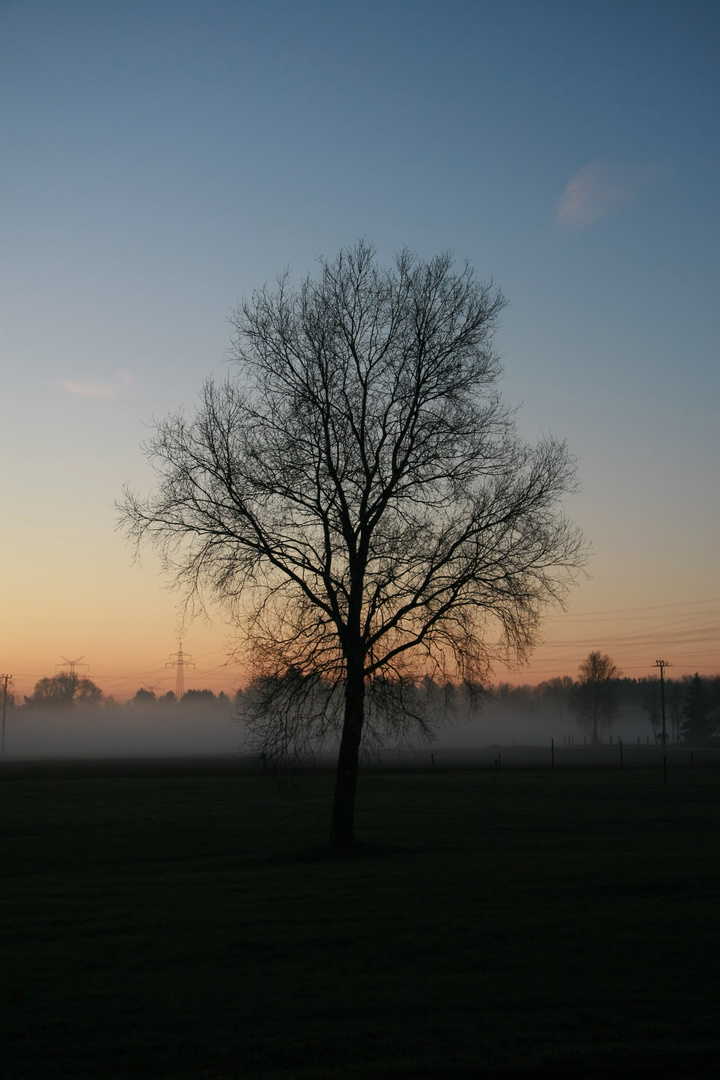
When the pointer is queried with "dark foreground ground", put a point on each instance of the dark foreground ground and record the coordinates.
(184, 924)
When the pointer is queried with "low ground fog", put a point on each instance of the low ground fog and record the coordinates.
(179, 730)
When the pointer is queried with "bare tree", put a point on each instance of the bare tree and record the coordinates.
(651, 705)
(675, 693)
(594, 698)
(359, 497)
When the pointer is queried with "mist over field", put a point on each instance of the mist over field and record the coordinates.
(144, 731)
(121, 731)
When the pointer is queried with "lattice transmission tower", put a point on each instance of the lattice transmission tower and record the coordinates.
(180, 661)
(71, 665)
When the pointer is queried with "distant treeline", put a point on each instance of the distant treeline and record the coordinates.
(595, 703)
(692, 704)
(68, 690)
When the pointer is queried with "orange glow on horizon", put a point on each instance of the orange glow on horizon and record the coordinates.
(94, 601)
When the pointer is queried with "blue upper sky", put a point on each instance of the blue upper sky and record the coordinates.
(160, 159)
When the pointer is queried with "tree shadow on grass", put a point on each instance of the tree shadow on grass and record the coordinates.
(325, 853)
(618, 1064)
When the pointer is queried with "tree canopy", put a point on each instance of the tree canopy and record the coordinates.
(700, 714)
(594, 698)
(63, 691)
(358, 495)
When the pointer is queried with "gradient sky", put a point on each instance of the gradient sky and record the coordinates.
(160, 160)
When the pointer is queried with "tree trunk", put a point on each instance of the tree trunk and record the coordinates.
(342, 828)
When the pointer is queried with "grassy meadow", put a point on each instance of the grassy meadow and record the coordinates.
(180, 925)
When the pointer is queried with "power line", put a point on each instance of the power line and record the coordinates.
(704, 635)
(635, 611)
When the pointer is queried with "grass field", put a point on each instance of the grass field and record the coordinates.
(185, 926)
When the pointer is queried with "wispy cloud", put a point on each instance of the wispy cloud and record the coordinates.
(597, 191)
(93, 389)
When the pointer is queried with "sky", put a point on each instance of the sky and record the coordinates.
(161, 160)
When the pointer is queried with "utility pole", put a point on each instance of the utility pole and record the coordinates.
(180, 661)
(7, 679)
(662, 664)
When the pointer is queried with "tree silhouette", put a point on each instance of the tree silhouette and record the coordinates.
(64, 690)
(699, 720)
(594, 698)
(143, 697)
(360, 499)
(198, 697)
(651, 706)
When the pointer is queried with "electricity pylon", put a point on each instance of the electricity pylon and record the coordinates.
(72, 664)
(180, 661)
